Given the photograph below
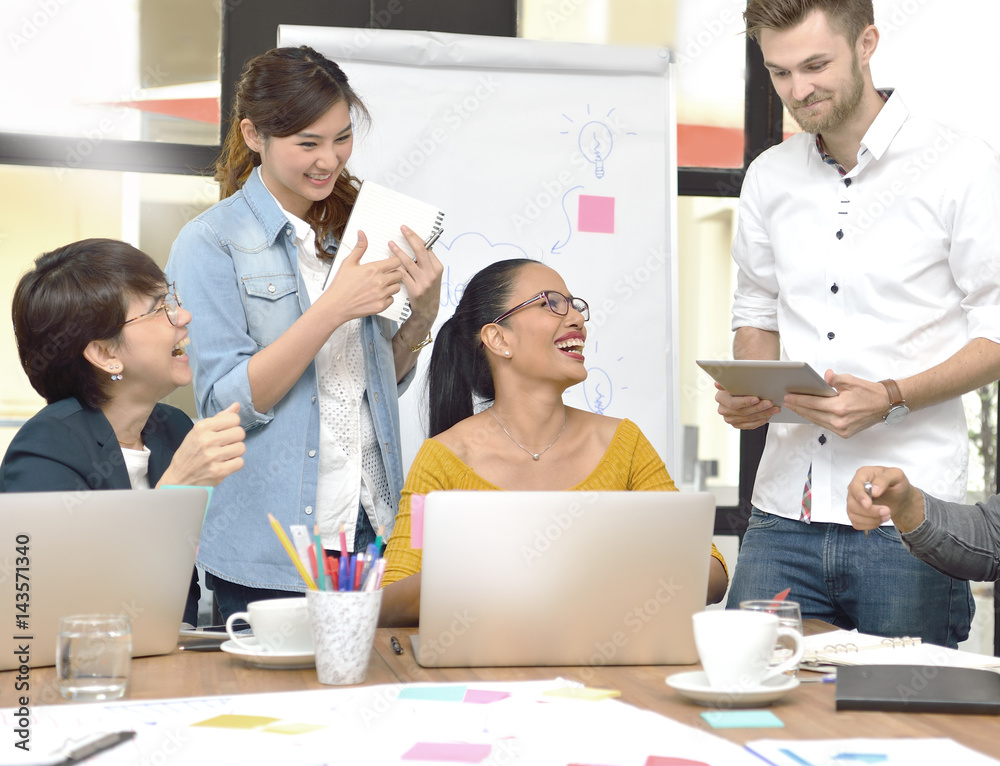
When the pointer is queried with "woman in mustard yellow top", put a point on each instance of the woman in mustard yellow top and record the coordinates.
(516, 339)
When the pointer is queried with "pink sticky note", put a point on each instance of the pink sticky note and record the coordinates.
(452, 752)
(596, 214)
(666, 760)
(416, 522)
(484, 696)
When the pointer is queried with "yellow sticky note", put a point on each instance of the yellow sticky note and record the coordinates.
(584, 693)
(237, 721)
(293, 728)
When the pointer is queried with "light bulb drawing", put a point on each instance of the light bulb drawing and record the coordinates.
(596, 143)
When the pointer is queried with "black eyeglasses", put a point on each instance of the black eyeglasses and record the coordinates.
(171, 302)
(557, 303)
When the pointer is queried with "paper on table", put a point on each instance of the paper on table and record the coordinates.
(379, 212)
(885, 752)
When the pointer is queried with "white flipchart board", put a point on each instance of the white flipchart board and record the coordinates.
(560, 152)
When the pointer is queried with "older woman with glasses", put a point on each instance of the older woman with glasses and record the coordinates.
(516, 341)
(103, 337)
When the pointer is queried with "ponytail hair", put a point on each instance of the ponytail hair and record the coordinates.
(460, 369)
(282, 92)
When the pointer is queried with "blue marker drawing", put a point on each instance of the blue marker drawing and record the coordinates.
(596, 140)
(792, 756)
(861, 757)
(471, 246)
(558, 246)
(597, 390)
(596, 143)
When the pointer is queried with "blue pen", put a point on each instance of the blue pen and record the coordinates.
(350, 571)
(342, 572)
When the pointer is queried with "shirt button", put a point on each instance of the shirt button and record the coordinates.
(840, 234)
(847, 182)
(314, 399)
(834, 289)
(822, 438)
(312, 453)
(271, 288)
(309, 510)
(831, 335)
(288, 232)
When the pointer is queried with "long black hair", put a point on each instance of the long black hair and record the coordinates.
(460, 370)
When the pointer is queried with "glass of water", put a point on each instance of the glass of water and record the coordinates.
(789, 616)
(93, 656)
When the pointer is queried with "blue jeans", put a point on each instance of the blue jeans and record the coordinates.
(232, 597)
(841, 577)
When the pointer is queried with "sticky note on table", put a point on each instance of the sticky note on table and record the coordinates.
(228, 721)
(447, 693)
(452, 752)
(416, 522)
(583, 693)
(742, 719)
(484, 696)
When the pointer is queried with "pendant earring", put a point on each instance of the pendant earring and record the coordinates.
(115, 376)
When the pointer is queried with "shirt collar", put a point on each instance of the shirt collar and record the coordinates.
(879, 134)
(303, 231)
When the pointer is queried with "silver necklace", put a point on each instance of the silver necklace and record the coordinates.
(534, 455)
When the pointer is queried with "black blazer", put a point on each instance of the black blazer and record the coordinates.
(67, 446)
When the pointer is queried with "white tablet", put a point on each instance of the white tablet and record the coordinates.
(768, 379)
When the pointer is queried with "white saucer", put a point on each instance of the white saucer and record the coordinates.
(263, 659)
(695, 687)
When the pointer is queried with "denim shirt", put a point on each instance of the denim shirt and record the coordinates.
(236, 268)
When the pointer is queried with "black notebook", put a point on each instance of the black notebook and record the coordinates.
(918, 689)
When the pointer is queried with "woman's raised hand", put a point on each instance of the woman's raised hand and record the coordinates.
(211, 451)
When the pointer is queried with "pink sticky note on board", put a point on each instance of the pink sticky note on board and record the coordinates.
(596, 214)
(452, 752)
(416, 521)
(666, 760)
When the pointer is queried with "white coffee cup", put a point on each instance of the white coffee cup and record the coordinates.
(279, 625)
(735, 647)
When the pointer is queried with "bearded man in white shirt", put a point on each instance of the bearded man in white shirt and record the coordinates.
(868, 247)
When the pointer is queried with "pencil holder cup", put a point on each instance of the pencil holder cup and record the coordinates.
(343, 625)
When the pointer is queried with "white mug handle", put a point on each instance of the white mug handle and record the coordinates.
(789, 664)
(242, 643)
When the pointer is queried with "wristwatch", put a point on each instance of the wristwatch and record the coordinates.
(897, 404)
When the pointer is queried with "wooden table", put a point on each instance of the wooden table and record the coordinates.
(808, 711)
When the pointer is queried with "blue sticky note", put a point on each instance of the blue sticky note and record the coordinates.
(742, 719)
(434, 693)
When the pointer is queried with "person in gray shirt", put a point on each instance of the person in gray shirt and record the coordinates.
(961, 541)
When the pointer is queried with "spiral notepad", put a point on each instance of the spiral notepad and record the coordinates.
(379, 212)
(843, 647)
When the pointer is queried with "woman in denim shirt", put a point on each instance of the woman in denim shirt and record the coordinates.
(317, 373)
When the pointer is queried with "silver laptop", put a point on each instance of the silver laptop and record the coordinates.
(562, 578)
(112, 552)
